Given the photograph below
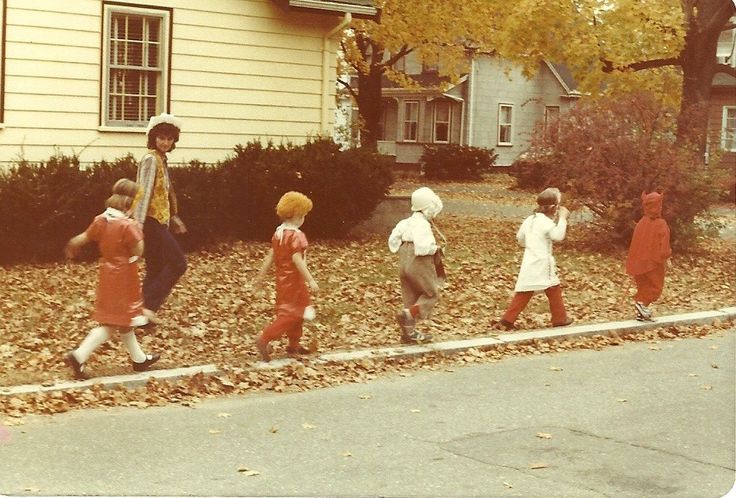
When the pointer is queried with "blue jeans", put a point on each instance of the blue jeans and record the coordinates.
(165, 263)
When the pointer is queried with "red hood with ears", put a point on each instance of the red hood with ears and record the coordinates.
(652, 204)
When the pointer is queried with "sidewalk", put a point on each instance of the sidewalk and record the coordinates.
(447, 347)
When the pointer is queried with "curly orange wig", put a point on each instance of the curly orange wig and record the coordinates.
(293, 204)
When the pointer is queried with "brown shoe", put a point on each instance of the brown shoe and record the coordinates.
(77, 368)
(263, 349)
(563, 324)
(297, 350)
(144, 365)
(502, 325)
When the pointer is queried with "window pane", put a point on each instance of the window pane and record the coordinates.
(135, 43)
(505, 114)
(441, 132)
(505, 134)
(443, 111)
(135, 28)
(154, 29)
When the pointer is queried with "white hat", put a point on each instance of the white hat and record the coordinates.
(424, 199)
(161, 119)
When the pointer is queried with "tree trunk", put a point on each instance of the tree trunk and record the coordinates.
(698, 63)
(370, 105)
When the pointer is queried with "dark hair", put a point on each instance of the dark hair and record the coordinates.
(165, 129)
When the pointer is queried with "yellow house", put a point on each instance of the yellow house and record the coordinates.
(83, 76)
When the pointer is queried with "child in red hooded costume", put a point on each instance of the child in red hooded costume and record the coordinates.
(648, 254)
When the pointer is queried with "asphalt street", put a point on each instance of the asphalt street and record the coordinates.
(637, 420)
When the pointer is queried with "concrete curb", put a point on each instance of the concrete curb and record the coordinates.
(114, 380)
(446, 347)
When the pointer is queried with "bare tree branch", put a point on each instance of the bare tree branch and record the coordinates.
(609, 67)
(720, 17)
(403, 52)
(349, 88)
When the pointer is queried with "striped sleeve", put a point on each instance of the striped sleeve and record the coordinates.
(145, 179)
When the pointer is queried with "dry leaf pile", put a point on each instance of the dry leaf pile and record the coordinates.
(214, 313)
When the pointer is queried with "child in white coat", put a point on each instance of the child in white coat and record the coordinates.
(418, 252)
(538, 270)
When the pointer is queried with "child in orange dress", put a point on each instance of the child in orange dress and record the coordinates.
(118, 304)
(293, 279)
(649, 253)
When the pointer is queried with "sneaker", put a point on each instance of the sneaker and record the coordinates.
(415, 337)
(643, 318)
(642, 310)
(77, 368)
(563, 324)
(263, 349)
(142, 366)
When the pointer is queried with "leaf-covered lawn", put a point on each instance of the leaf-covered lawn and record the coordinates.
(213, 314)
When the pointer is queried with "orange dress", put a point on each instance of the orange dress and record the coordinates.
(119, 299)
(292, 293)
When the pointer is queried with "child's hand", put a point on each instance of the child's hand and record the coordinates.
(258, 287)
(564, 212)
(313, 286)
(71, 250)
(177, 226)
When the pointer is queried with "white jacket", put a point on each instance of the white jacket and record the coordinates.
(416, 229)
(538, 269)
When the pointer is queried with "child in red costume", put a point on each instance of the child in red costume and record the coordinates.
(119, 302)
(293, 280)
(648, 255)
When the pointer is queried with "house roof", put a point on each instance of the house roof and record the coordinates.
(723, 80)
(360, 8)
(564, 76)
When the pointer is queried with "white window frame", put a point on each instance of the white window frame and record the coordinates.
(110, 115)
(503, 125)
(409, 122)
(728, 128)
(436, 121)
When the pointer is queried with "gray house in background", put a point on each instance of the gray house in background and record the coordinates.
(493, 106)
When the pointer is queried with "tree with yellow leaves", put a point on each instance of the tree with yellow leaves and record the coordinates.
(439, 32)
(668, 46)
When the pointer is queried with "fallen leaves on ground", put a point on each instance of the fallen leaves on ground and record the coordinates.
(214, 313)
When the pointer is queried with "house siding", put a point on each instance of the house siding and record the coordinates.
(239, 70)
(499, 82)
(721, 97)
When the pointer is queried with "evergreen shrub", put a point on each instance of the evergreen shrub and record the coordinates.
(43, 204)
(456, 162)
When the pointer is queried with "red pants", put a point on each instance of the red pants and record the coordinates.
(649, 285)
(521, 299)
(284, 324)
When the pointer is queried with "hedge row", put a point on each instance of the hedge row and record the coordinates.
(43, 204)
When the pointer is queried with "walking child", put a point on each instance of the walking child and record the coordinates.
(419, 259)
(293, 279)
(538, 270)
(156, 210)
(118, 303)
(649, 254)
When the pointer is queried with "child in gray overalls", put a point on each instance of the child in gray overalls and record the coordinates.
(419, 260)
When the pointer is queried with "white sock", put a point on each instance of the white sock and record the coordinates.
(134, 349)
(96, 336)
